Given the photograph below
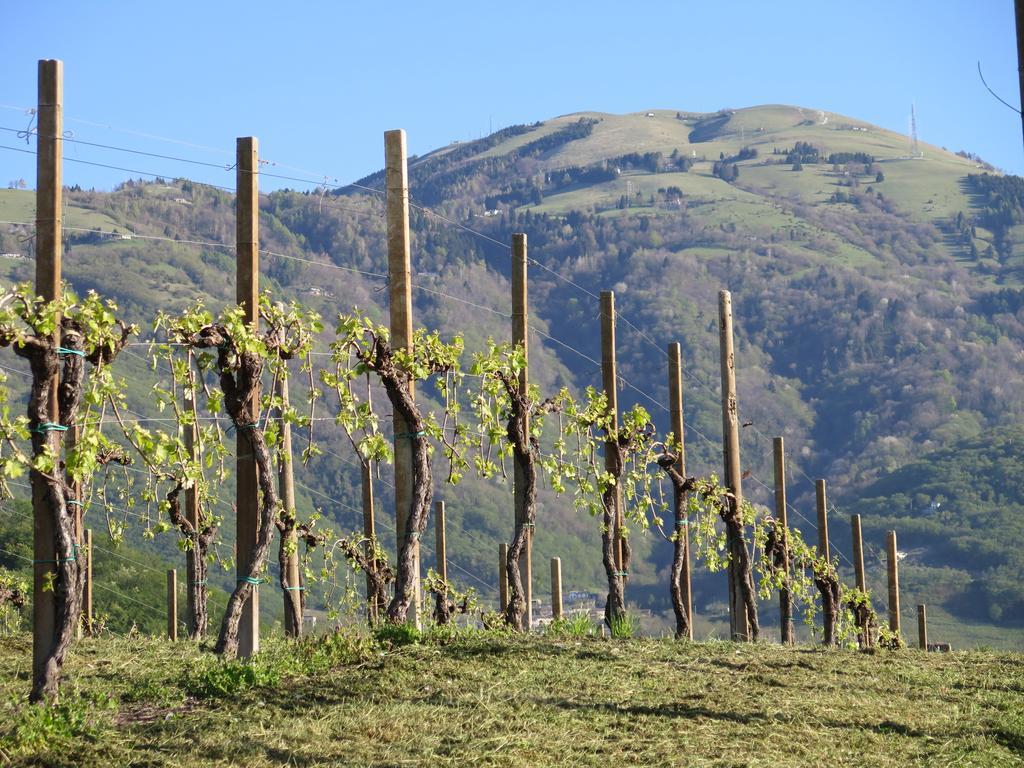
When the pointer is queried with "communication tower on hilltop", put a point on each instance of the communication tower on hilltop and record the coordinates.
(915, 150)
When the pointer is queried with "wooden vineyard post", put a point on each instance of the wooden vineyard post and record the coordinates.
(609, 379)
(829, 612)
(675, 398)
(192, 514)
(502, 576)
(440, 546)
(286, 483)
(859, 574)
(49, 232)
(247, 295)
(520, 324)
(739, 627)
(922, 628)
(400, 283)
(894, 581)
(822, 506)
(556, 587)
(194, 565)
(172, 605)
(76, 509)
(373, 606)
(87, 597)
(782, 515)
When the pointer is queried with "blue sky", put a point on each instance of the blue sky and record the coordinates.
(319, 82)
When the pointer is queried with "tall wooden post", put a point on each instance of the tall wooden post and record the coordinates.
(192, 515)
(782, 516)
(400, 283)
(894, 581)
(520, 324)
(172, 605)
(286, 483)
(822, 505)
(675, 401)
(609, 379)
(739, 627)
(502, 576)
(556, 588)
(87, 597)
(922, 628)
(247, 294)
(49, 232)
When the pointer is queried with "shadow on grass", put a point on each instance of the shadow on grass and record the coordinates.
(1013, 741)
(674, 710)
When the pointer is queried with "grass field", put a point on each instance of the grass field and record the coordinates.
(488, 699)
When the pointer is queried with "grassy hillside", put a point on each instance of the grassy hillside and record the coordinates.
(494, 700)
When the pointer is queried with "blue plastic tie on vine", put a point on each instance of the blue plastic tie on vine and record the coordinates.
(66, 351)
(48, 426)
(250, 580)
(294, 589)
(409, 435)
(77, 503)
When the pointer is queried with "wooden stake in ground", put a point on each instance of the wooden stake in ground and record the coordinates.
(827, 587)
(680, 586)
(617, 566)
(292, 589)
(247, 294)
(49, 233)
(441, 554)
(556, 588)
(374, 607)
(860, 577)
(739, 618)
(87, 596)
(894, 581)
(520, 324)
(195, 568)
(172, 605)
(782, 515)
(74, 502)
(400, 293)
(922, 628)
(503, 576)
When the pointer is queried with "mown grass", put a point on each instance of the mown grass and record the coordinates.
(492, 699)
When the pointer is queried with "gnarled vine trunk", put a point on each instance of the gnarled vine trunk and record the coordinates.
(396, 386)
(199, 545)
(52, 492)
(241, 401)
(526, 468)
(680, 487)
(742, 574)
(828, 586)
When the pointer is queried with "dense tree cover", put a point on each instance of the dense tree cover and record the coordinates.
(962, 505)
